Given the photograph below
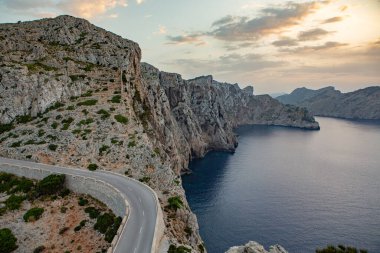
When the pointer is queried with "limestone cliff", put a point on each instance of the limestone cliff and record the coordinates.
(74, 94)
(360, 104)
(254, 247)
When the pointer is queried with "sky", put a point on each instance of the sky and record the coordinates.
(273, 45)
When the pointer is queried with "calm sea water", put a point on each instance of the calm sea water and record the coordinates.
(300, 189)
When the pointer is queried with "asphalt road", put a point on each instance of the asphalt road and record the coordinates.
(138, 233)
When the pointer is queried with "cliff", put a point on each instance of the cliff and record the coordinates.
(75, 94)
(360, 104)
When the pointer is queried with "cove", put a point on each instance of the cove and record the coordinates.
(300, 189)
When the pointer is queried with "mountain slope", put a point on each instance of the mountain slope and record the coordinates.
(74, 94)
(360, 104)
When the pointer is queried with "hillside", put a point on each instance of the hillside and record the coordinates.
(74, 94)
(360, 104)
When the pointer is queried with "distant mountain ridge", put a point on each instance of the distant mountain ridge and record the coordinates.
(329, 102)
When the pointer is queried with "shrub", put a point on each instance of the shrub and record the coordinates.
(112, 231)
(92, 166)
(39, 249)
(55, 106)
(103, 222)
(16, 144)
(63, 209)
(82, 201)
(5, 127)
(89, 102)
(40, 133)
(132, 144)
(33, 214)
(7, 241)
(14, 202)
(87, 94)
(103, 149)
(104, 114)
(71, 108)
(175, 202)
(51, 184)
(144, 179)
(121, 119)
(116, 99)
(52, 147)
(92, 212)
(54, 125)
(340, 249)
(180, 249)
(85, 121)
(24, 185)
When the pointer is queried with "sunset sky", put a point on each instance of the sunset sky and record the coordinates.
(274, 45)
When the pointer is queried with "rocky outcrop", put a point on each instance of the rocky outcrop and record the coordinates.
(74, 94)
(254, 247)
(360, 104)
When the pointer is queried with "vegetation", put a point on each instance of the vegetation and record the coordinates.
(104, 149)
(22, 119)
(34, 67)
(180, 249)
(85, 121)
(108, 224)
(52, 147)
(51, 184)
(16, 144)
(80, 226)
(87, 94)
(92, 212)
(33, 214)
(89, 102)
(340, 249)
(54, 125)
(92, 166)
(12, 184)
(66, 123)
(175, 202)
(104, 114)
(132, 144)
(116, 99)
(39, 249)
(75, 78)
(121, 119)
(7, 241)
(82, 201)
(5, 127)
(144, 179)
(14, 202)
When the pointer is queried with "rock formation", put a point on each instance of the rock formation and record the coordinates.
(75, 94)
(254, 247)
(360, 104)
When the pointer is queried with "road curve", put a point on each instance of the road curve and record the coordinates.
(138, 233)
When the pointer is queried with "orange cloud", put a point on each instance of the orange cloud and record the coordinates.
(90, 8)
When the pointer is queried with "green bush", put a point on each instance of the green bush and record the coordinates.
(41, 133)
(175, 202)
(14, 202)
(121, 119)
(16, 144)
(340, 249)
(116, 99)
(54, 125)
(22, 119)
(39, 249)
(112, 231)
(92, 166)
(85, 121)
(87, 94)
(104, 114)
(5, 127)
(104, 149)
(33, 214)
(82, 201)
(89, 102)
(92, 212)
(103, 222)
(24, 185)
(132, 144)
(180, 249)
(7, 241)
(51, 184)
(52, 147)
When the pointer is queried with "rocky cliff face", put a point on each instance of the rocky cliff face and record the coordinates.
(74, 94)
(254, 247)
(360, 104)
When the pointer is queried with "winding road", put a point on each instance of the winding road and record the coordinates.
(138, 234)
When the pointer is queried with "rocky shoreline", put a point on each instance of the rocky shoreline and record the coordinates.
(77, 95)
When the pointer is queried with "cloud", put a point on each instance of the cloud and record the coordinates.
(272, 20)
(285, 42)
(307, 49)
(313, 34)
(140, 1)
(185, 39)
(332, 20)
(161, 30)
(225, 65)
(81, 8)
